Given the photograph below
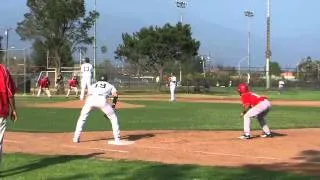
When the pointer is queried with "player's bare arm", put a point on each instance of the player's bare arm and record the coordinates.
(13, 113)
(114, 99)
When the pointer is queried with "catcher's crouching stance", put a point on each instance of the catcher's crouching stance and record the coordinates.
(97, 98)
(254, 106)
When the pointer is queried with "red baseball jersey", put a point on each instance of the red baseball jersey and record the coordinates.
(7, 90)
(44, 83)
(73, 82)
(251, 99)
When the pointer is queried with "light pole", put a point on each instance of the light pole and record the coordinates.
(6, 33)
(249, 14)
(181, 4)
(94, 42)
(268, 49)
(204, 59)
(178, 53)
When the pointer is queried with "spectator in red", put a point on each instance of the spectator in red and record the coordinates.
(7, 102)
(73, 85)
(43, 84)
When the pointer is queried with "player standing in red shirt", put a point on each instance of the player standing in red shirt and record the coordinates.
(254, 106)
(73, 85)
(44, 84)
(7, 102)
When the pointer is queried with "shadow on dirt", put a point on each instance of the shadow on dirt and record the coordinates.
(136, 137)
(309, 164)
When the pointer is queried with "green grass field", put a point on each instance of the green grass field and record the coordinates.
(20, 166)
(155, 116)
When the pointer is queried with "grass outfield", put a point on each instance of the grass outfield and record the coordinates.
(164, 116)
(156, 115)
(21, 166)
(291, 94)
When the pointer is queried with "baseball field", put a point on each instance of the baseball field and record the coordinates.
(194, 138)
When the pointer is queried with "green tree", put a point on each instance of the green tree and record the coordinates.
(60, 25)
(39, 54)
(154, 48)
(309, 69)
(275, 68)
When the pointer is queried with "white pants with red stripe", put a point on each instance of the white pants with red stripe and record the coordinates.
(3, 126)
(97, 102)
(259, 111)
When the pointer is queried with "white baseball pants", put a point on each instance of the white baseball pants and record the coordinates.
(46, 90)
(75, 89)
(259, 111)
(172, 92)
(3, 126)
(101, 103)
(85, 83)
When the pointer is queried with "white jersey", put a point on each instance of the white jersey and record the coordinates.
(86, 70)
(281, 84)
(173, 80)
(101, 88)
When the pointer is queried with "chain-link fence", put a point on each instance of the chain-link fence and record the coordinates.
(195, 82)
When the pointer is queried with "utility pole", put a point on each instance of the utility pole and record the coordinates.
(268, 48)
(249, 14)
(94, 43)
(182, 5)
(7, 45)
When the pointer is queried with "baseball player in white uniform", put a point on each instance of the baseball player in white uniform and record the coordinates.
(97, 98)
(86, 74)
(172, 86)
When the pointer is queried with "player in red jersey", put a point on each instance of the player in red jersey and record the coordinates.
(7, 101)
(254, 106)
(73, 85)
(44, 84)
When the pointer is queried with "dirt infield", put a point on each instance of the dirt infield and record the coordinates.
(290, 150)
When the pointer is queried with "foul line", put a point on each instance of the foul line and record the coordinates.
(100, 149)
(74, 146)
(12, 141)
(215, 154)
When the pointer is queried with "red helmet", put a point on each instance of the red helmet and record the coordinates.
(242, 88)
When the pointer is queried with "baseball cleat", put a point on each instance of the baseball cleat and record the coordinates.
(76, 140)
(266, 135)
(245, 137)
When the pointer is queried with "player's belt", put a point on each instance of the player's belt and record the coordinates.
(173, 81)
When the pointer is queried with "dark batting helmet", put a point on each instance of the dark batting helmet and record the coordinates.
(242, 88)
(86, 60)
(103, 77)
